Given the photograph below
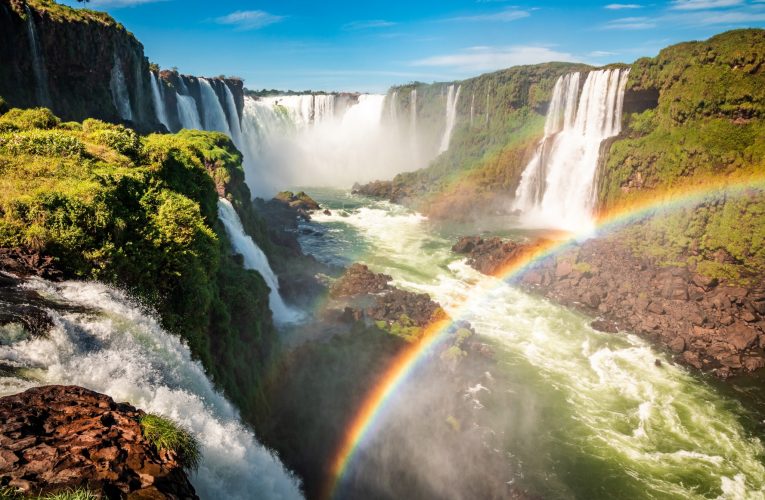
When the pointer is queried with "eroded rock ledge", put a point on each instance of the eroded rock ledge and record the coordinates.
(711, 326)
(55, 438)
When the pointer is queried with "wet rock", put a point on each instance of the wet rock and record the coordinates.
(677, 344)
(55, 438)
(605, 325)
(358, 279)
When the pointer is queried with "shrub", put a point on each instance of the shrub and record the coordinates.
(27, 119)
(42, 143)
(164, 434)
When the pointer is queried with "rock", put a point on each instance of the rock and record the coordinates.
(466, 244)
(677, 344)
(299, 201)
(657, 363)
(604, 325)
(741, 336)
(563, 269)
(327, 212)
(56, 438)
(358, 279)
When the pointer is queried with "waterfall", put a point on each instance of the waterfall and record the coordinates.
(42, 93)
(215, 117)
(233, 117)
(188, 113)
(452, 99)
(108, 344)
(472, 108)
(254, 258)
(159, 102)
(120, 94)
(393, 108)
(556, 187)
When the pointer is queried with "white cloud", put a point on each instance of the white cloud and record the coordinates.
(703, 4)
(620, 6)
(492, 58)
(509, 14)
(629, 23)
(710, 18)
(600, 53)
(249, 19)
(362, 25)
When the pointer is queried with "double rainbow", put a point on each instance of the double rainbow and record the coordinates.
(372, 409)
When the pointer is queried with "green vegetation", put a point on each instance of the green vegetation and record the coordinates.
(708, 125)
(164, 434)
(141, 213)
(58, 12)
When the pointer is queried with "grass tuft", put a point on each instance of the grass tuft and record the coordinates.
(165, 434)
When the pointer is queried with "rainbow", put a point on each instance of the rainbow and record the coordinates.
(372, 408)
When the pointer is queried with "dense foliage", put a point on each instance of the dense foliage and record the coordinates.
(141, 213)
(709, 124)
(164, 434)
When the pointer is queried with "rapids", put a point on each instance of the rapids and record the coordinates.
(117, 349)
(584, 414)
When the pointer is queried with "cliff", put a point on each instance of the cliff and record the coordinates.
(83, 64)
(64, 438)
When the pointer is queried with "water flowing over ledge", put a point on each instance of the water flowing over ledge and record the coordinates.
(556, 189)
(117, 349)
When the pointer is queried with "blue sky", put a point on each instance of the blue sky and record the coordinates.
(369, 45)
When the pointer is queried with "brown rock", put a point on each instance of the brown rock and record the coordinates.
(741, 336)
(563, 269)
(677, 344)
(70, 437)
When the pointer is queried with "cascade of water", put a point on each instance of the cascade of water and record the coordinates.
(233, 114)
(159, 101)
(214, 116)
(42, 93)
(414, 143)
(472, 108)
(112, 346)
(120, 93)
(452, 99)
(188, 112)
(254, 258)
(556, 187)
(393, 107)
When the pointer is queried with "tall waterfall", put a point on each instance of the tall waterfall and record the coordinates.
(254, 258)
(233, 117)
(111, 346)
(42, 92)
(452, 99)
(188, 113)
(556, 189)
(120, 94)
(159, 101)
(215, 117)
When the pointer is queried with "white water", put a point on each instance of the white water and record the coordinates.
(188, 112)
(307, 140)
(120, 94)
(38, 62)
(452, 99)
(233, 117)
(159, 102)
(254, 258)
(584, 395)
(214, 116)
(119, 350)
(556, 189)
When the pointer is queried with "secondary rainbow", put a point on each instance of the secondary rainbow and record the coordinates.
(369, 413)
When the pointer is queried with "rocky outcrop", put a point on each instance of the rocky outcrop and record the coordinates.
(56, 438)
(363, 294)
(709, 325)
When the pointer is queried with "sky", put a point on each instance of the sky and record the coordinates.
(369, 45)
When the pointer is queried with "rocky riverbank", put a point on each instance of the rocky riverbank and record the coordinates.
(710, 325)
(58, 438)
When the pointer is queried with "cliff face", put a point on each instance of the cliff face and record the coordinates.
(79, 63)
(59, 438)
